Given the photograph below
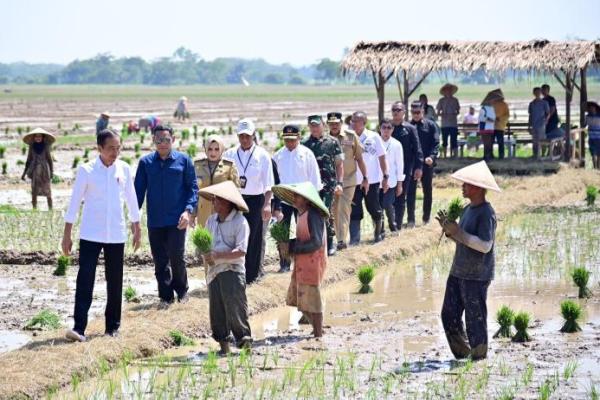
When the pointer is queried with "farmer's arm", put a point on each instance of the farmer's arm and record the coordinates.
(483, 241)
(316, 226)
(50, 162)
(71, 214)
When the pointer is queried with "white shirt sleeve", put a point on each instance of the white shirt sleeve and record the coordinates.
(399, 162)
(241, 239)
(313, 171)
(77, 195)
(379, 148)
(267, 173)
(130, 197)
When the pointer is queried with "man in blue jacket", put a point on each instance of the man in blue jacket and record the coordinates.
(167, 179)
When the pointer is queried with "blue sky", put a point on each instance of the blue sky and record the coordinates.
(299, 32)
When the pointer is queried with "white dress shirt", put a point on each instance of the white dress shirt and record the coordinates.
(394, 156)
(372, 145)
(255, 165)
(298, 165)
(103, 191)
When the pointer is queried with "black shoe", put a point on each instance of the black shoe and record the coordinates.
(342, 246)
(331, 249)
(378, 232)
(164, 304)
(184, 299)
(113, 334)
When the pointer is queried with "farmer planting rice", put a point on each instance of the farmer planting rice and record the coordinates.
(103, 185)
(308, 250)
(39, 166)
(473, 265)
(226, 273)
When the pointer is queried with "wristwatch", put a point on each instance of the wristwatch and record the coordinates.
(386, 176)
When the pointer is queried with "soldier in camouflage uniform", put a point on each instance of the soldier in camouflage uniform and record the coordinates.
(328, 152)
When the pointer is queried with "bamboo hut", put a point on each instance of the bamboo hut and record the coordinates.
(411, 62)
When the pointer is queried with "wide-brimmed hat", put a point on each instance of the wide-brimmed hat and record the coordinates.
(494, 95)
(305, 189)
(183, 98)
(105, 113)
(453, 89)
(28, 139)
(225, 190)
(479, 175)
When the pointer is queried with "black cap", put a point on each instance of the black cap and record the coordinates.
(334, 117)
(416, 105)
(315, 119)
(290, 132)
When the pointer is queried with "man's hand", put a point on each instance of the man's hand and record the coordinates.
(418, 174)
(450, 228)
(364, 185)
(266, 212)
(442, 217)
(184, 220)
(429, 161)
(137, 235)
(338, 191)
(385, 185)
(210, 257)
(67, 245)
(192, 220)
(278, 215)
(23, 177)
(399, 189)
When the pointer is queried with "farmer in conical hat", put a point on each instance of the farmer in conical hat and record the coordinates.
(39, 166)
(226, 273)
(309, 250)
(473, 265)
(448, 108)
(102, 122)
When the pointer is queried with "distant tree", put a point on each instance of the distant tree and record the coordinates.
(327, 70)
(296, 80)
(274, 78)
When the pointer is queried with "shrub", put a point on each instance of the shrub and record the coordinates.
(365, 274)
(571, 312)
(280, 232)
(521, 324)
(180, 339)
(591, 192)
(62, 264)
(202, 239)
(505, 318)
(581, 277)
(44, 320)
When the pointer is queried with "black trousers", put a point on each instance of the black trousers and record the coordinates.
(470, 297)
(254, 217)
(387, 201)
(371, 201)
(113, 272)
(427, 185)
(407, 200)
(168, 248)
(229, 307)
(499, 137)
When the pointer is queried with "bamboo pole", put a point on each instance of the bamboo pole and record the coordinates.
(583, 98)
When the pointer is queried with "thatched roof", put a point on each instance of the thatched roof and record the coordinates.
(461, 56)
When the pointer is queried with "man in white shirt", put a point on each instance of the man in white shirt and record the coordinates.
(394, 156)
(377, 176)
(295, 164)
(255, 169)
(103, 185)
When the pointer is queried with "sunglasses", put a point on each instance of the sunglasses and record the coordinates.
(164, 139)
(386, 127)
(397, 110)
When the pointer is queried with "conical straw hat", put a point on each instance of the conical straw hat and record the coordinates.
(28, 139)
(453, 89)
(225, 190)
(479, 175)
(304, 189)
(494, 95)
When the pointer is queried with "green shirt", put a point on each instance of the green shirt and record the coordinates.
(327, 151)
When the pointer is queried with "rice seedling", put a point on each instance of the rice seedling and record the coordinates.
(6, 131)
(569, 369)
(130, 295)
(185, 134)
(2, 151)
(548, 387)
(59, 126)
(365, 274)
(86, 153)
(126, 159)
(592, 392)
(137, 147)
(23, 150)
(261, 133)
(20, 162)
(521, 323)
(505, 318)
(230, 130)
(192, 150)
(454, 211)
(204, 132)
(280, 232)
(202, 239)
(56, 179)
(44, 320)
(527, 375)
(591, 192)
(76, 161)
(138, 155)
(142, 137)
(20, 130)
(581, 277)
(63, 263)
(4, 168)
(571, 312)
(180, 339)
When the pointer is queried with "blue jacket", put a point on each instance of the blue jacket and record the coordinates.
(170, 185)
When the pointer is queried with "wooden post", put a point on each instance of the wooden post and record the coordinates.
(568, 98)
(380, 80)
(406, 96)
(582, 109)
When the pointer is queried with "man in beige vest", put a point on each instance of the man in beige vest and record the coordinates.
(342, 205)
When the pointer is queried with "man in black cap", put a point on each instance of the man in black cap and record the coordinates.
(407, 134)
(330, 158)
(430, 144)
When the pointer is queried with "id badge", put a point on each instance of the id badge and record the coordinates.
(243, 181)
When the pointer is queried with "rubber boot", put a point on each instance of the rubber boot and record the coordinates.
(354, 232)
(331, 247)
(225, 349)
(377, 233)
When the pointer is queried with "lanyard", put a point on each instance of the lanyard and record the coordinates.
(245, 167)
(212, 171)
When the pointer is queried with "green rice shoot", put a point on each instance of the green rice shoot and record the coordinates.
(130, 294)
(365, 274)
(62, 266)
(581, 276)
(202, 239)
(44, 320)
(571, 312)
(455, 209)
(505, 318)
(591, 192)
(180, 339)
(280, 232)
(521, 323)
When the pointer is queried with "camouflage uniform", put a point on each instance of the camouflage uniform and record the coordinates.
(327, 151)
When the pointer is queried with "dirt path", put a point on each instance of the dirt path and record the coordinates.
(50, 360)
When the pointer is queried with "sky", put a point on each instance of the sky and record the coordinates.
(299, 33)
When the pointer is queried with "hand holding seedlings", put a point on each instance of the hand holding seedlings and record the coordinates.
(447, 218)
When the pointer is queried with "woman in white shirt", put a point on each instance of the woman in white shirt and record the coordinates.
(103, 185)
(487, 119)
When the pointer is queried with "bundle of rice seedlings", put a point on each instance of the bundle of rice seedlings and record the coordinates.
(23, 149)
(130, 295)
(192, 150)
(505, 318)
(44, 320)
(137, 147)
(591, 192)
(180, 339)
(76, 161)
(63, 263)
(454, 211)
(580, 277)
(4, 167)
(365, 274)
(521, 323)
(571, 312)
(202, 239)
(280, 232)
(2, 151)
(126, 159)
